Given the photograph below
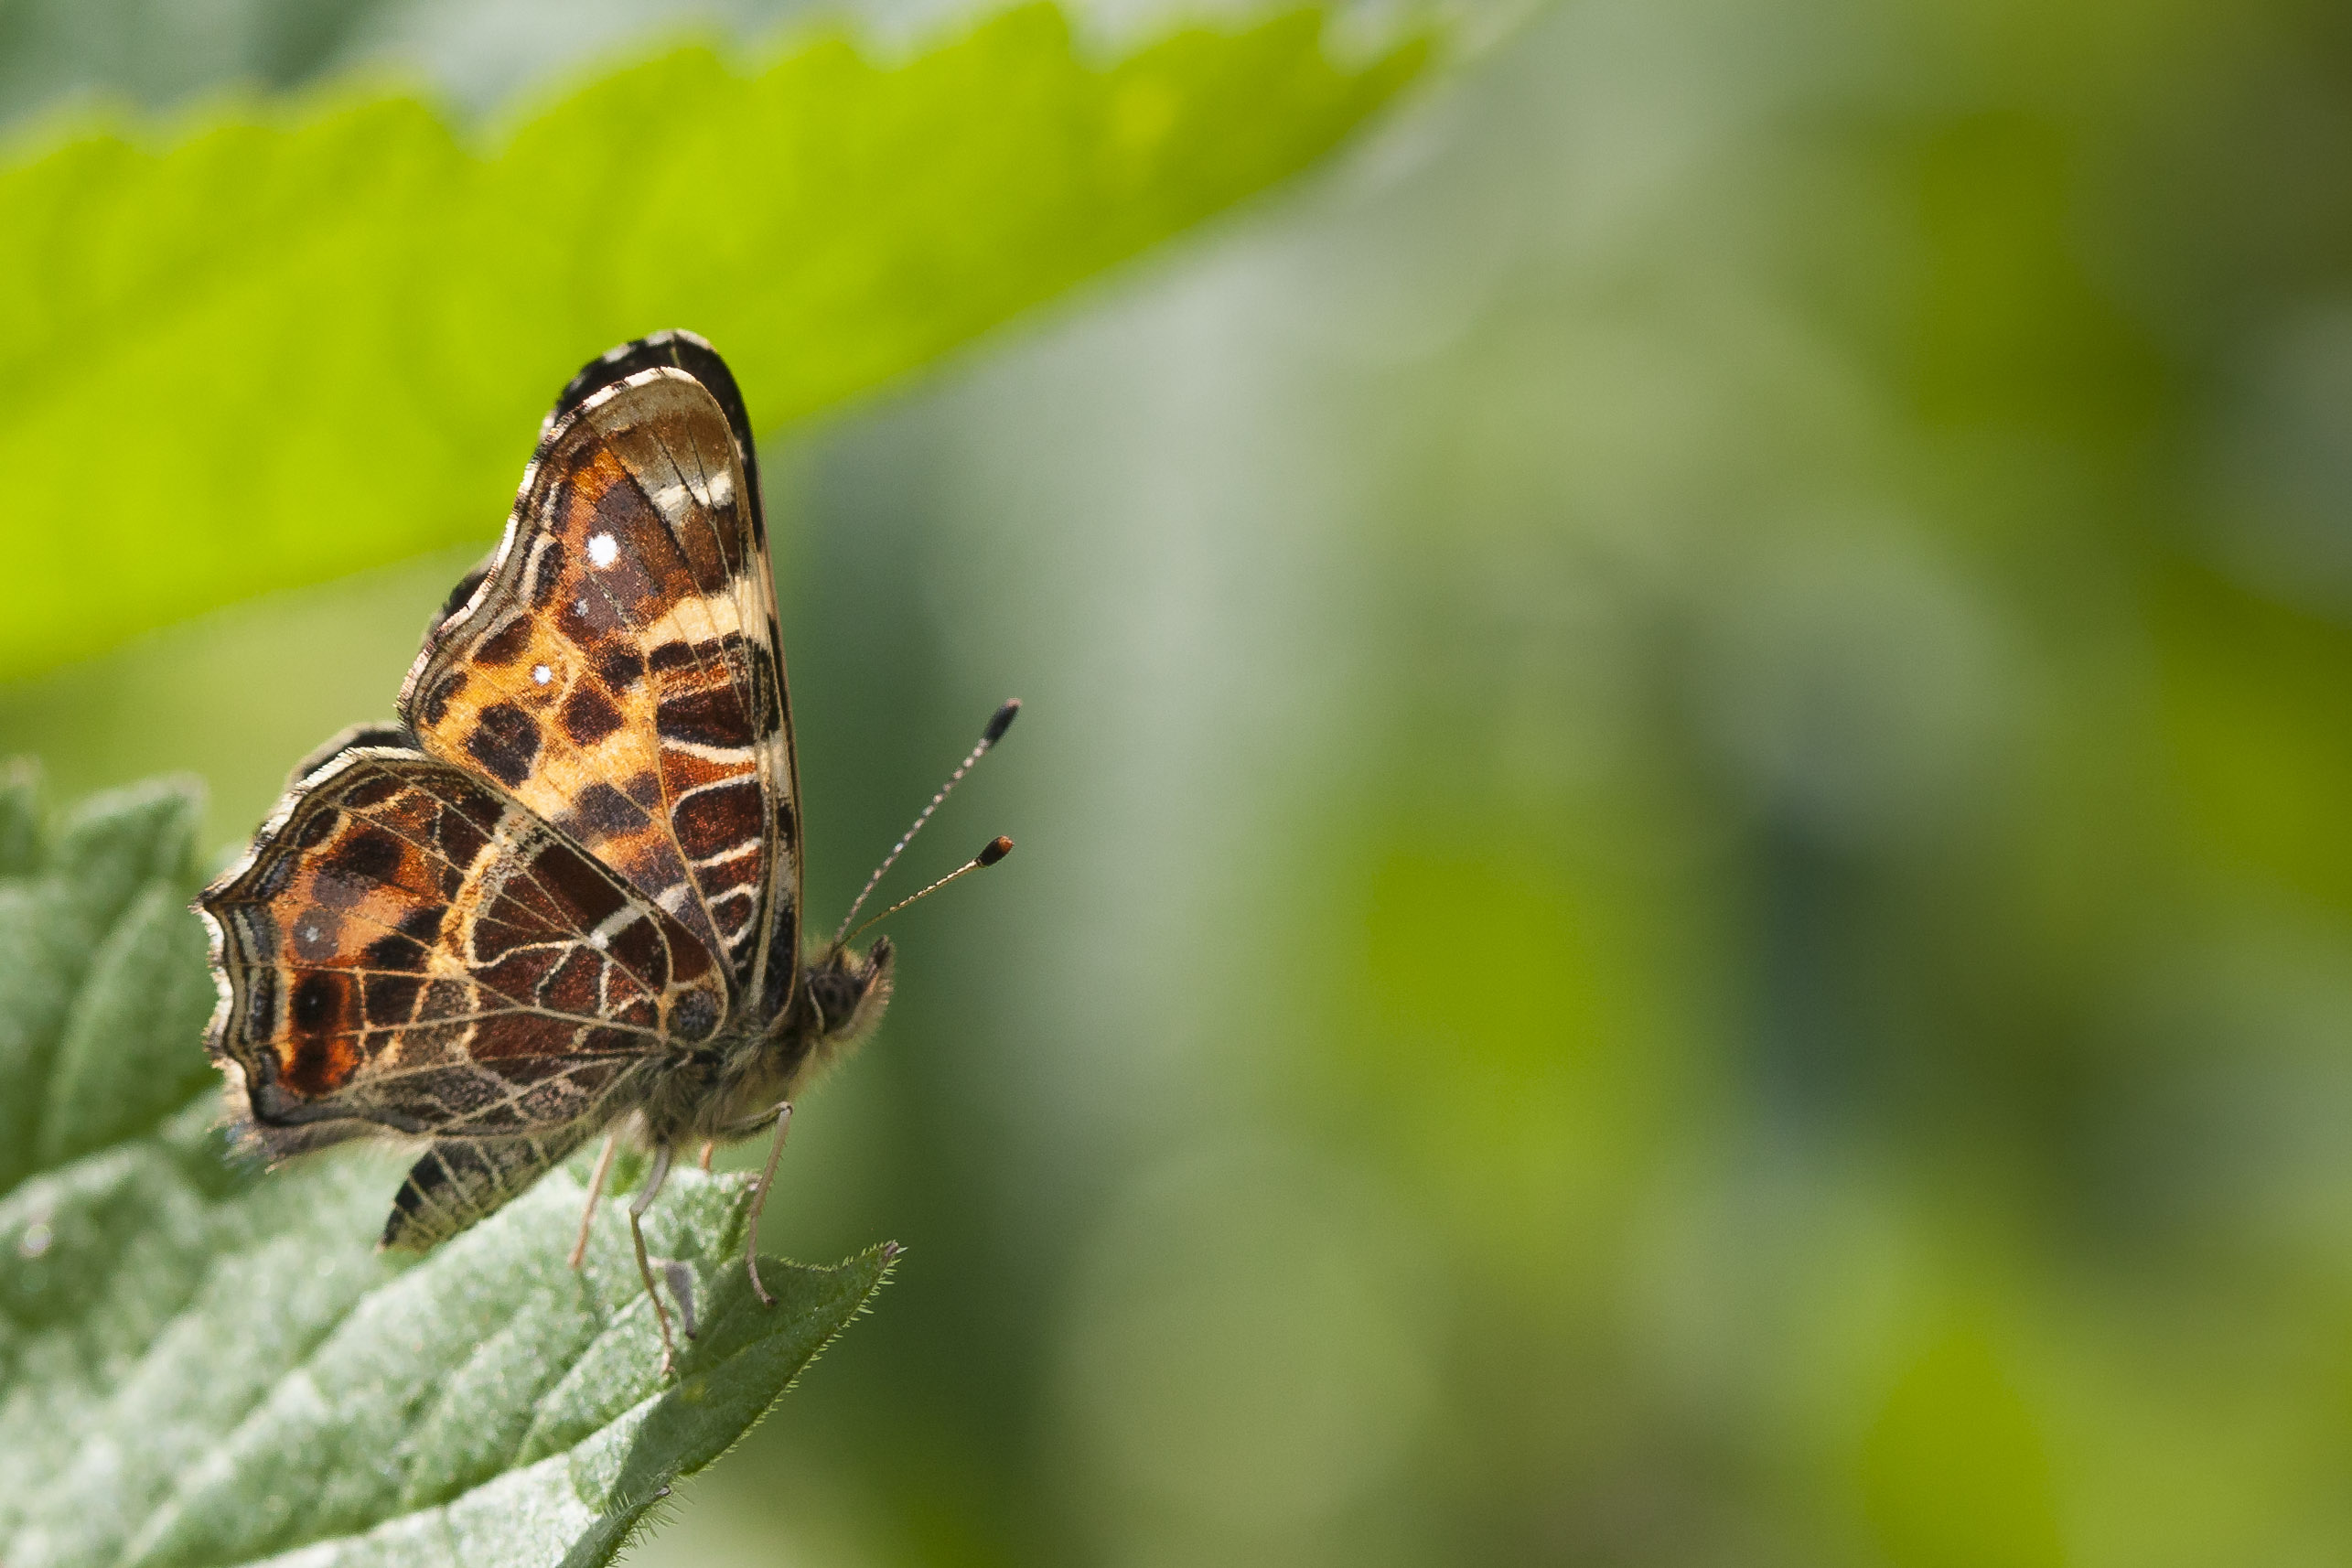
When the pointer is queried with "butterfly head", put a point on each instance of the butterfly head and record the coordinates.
(847, 990)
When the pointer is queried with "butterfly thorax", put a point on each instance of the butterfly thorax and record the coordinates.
(732, 1084)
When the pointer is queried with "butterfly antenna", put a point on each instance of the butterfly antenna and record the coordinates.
(997, 726)
(993, 851)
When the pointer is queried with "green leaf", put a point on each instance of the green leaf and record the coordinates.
(201, 1364)
(69, 921)
(279, 352)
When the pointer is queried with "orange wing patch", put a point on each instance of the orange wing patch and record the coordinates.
(617, 670)
(407, 950)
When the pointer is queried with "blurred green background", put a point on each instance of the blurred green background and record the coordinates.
(1685, 891)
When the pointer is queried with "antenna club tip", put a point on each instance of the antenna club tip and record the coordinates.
(1001, 723)
(998, 848)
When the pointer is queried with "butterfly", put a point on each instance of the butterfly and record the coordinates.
(560, 894)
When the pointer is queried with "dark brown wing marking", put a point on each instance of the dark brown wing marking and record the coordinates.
(617, 668)
(405, 947)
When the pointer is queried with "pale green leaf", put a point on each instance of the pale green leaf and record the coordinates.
(285, 349)
(204, 1365)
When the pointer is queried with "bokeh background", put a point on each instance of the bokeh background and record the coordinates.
(1686, 890)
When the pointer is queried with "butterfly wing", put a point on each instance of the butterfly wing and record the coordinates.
(406, 948)
(461, 1180)
(682, 351)
(617, 667)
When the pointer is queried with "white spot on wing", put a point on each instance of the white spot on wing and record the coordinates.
(620, 919)
(710, 753)
(722, 488)
(603, 550)
(671, 499)
(541, 674)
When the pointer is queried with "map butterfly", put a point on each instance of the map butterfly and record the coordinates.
(561, 895)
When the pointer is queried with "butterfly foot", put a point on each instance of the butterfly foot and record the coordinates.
(751, 1266)
(680, 1277)
(759, 1201)
(588, 1210)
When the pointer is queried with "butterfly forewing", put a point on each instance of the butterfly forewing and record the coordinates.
(681, 350)
(617, 671)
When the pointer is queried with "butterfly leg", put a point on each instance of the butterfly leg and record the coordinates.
(595, 1188)
(759, 1201)
(644, 1201)
(709, 1145)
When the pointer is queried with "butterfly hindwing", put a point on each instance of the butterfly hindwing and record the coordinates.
(460, 1180)
(407, 949)
(617, 668)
